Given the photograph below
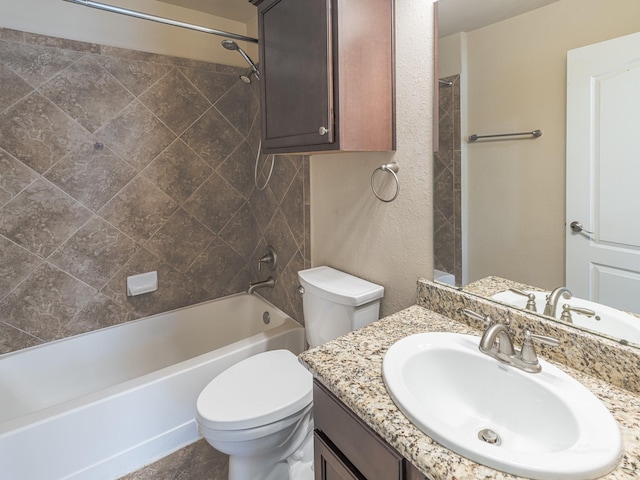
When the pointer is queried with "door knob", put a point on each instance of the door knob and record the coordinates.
(323, 130)
(577, 227)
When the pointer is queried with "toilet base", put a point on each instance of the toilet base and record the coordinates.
(257, 468)
(293, 460)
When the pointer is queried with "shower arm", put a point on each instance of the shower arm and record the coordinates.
(248, 60)
(166, 21)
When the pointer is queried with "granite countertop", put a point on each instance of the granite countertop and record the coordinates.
(351, 367)
(489, 286)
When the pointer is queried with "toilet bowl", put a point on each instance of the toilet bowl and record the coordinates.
(259, 411)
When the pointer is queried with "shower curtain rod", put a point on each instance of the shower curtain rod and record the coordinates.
(166, 21)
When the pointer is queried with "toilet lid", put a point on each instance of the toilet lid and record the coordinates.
(257, 391)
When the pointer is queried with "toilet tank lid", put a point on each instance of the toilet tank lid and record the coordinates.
(339, 287)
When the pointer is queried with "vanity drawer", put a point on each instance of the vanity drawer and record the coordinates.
(369, 454)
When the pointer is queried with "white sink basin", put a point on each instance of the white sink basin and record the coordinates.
(609, 321)
(550, 426)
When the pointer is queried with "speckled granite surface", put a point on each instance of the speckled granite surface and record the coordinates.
(489, 286)
(350, 367)
(595, 355)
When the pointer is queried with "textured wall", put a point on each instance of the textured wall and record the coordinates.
(386, 243)
(115, 162)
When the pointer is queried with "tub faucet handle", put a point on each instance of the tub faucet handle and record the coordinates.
(270, 258)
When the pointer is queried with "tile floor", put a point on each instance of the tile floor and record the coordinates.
(198, 461)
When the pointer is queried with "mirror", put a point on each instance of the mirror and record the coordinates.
(499, 204)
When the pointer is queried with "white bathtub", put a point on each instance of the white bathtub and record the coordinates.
(105, 403)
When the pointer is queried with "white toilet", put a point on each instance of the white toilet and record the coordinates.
(259, 411)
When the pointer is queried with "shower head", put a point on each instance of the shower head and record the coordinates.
(231, 45)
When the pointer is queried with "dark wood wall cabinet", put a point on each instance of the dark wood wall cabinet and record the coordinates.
(346, 448)
(327, 75)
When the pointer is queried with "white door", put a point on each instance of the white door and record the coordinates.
(603, 172)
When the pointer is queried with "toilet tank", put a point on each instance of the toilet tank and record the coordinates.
(335, 303)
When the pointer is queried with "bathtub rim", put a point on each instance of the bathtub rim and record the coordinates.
(18, 423)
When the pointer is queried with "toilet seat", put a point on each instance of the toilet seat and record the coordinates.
(260, 390)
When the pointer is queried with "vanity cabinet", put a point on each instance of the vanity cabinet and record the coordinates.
(346, 448)
(327, 75)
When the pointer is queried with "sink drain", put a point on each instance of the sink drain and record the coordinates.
(489, 436)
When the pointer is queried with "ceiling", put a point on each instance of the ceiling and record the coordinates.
(454, 15)
(466, 15)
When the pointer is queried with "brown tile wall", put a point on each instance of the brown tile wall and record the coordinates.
(447, 246)
(116, 162)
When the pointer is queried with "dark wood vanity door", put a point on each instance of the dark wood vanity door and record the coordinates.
(329, 464)
(369, 456)
(296, 64)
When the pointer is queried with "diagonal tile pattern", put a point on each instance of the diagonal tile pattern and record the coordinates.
(214, 203)
(88, 93)
(136, 76)
(92, 174)
(41, 218)
(38, 133)
(95, 253)
(175, 101)
(178, 171)
(14, 177)
(447, 248)
(136, 135)
(17, 88)
(35, 64)
(213, 138)
(139, 210)
(148, 166)
(45, 302)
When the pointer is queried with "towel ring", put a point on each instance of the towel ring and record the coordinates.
(391, 168)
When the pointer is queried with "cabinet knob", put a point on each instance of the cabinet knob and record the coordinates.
(323, 130)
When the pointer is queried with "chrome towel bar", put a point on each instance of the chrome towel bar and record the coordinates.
(535, 134)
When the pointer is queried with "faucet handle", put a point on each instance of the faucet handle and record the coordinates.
(567, 309)
(270, 258)
(531, 298)
(528, 352)
(488, 321)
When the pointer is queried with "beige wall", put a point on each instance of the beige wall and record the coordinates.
(517, 82)
(451, 54)
(77, 22)
(387, 243)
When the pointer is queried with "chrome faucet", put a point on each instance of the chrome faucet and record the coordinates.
(497, 342)
(553, 298)
(269, 282)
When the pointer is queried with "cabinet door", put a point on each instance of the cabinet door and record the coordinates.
(297, 83)
(330, 464)
(369, 454)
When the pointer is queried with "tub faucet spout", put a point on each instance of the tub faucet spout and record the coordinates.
(269, 282)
